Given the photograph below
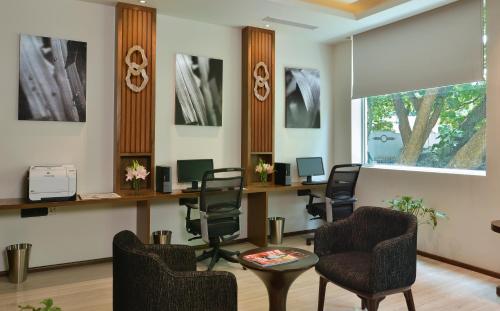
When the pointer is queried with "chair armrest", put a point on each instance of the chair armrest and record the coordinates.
(394, 263)
(206, 290)
(190, 206)
(176, 257)
(312, 196)
(333, 237)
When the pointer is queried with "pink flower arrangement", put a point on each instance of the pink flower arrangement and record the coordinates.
(264, 169)
(135, 173)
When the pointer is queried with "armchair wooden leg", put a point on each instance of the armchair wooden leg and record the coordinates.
(372, 304)
(409, 300)
(321, 295)
(363, 302)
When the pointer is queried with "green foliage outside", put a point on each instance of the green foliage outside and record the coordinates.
(462, 112)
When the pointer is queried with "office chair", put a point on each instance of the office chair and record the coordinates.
(372, 253)
(339, 195)
(220, 202)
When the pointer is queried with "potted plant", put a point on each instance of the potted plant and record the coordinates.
(263, 169)
(48, 305)
(135, 174)
(425, 215)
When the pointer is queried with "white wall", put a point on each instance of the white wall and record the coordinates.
(82, 233)
(78, 233)
(223, 144)
(471, 202)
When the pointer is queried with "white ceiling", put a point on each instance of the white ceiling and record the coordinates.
(334, 21)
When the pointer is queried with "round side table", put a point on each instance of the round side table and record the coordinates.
(279, 278)
(495, 226)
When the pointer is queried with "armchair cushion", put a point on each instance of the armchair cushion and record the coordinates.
(374, 250)
(351, 269)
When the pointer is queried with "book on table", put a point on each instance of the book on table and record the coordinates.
(274, 257)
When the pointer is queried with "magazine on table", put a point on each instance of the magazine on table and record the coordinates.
(274, 257)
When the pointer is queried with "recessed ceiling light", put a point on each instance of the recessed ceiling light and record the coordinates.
(142, 1)
(267, 25)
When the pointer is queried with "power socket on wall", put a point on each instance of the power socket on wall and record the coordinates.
(52, 210)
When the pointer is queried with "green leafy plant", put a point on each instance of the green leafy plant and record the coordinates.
(48, 305)
(425, 215)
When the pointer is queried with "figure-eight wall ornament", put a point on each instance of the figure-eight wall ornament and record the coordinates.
(136, 69)
(261, 82)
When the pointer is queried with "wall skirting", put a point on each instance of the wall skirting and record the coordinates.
(244, 240)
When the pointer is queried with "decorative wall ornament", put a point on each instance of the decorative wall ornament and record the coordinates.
(136, 69)
(261, 82)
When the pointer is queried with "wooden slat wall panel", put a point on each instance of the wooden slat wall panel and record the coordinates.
(135, 120)
(257, 133)
(136, 124)
(262, 118)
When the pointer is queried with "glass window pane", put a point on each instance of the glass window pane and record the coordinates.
(441, 127)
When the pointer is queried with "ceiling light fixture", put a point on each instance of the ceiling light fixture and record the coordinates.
(267, 25)
(142, 1)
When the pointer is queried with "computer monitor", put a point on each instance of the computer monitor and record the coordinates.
(192, 170)
(309, 167)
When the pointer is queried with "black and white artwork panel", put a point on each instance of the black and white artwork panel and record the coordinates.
(302, 94)
(198, 90)
(52, 79)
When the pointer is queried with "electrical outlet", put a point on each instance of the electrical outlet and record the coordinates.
(52, 210)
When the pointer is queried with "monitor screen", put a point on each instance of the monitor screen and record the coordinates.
(193, 170)
(310, 166)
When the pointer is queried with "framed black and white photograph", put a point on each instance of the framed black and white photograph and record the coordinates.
(198, 90)
(302, 92)
(52, 79)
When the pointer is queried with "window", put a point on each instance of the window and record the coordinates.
(441, 127)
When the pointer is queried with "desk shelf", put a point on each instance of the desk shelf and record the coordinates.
(257, 195)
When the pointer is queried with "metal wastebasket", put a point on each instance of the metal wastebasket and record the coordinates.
(162, 237)
(18, 258)
(276, 228)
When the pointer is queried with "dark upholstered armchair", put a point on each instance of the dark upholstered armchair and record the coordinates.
(372, 253)
(164, 277)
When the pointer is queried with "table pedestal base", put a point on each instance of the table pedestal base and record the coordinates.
(278, 284)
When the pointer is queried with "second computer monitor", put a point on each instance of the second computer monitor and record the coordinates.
(192, 170)
(309, 167)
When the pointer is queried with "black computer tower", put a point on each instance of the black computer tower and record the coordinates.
(282, 171)
(163, 179)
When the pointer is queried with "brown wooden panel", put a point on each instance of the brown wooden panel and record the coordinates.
(257, 206)
(134, 121)
(144, 221)
(257, 116)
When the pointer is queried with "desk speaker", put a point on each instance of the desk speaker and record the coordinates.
(163, 179)
(282, 176)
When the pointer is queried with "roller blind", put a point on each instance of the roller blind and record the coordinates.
(437, 48)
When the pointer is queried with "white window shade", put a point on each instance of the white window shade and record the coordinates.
(437, 48)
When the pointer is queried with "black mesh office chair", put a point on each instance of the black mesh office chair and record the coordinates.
(220, 202)
(339, 195)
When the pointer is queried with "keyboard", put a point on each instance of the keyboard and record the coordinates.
(319, 182)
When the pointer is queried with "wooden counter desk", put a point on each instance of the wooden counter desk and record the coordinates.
(257, 202)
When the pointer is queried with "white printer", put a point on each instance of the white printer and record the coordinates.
(52, 183)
